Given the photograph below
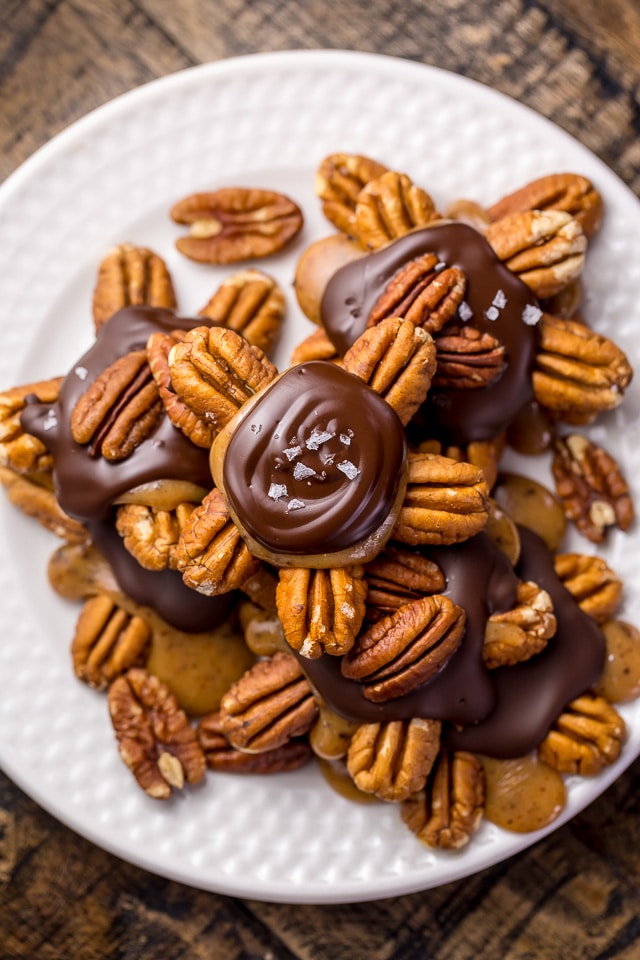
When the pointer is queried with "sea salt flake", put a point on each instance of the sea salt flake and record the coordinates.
(318, 437)
(277, 490)
(50, 421)
(531, 314)
(499, 301)
(492, 313)
(295, 504)
(464, 311)
(81, 373)
(302, 472)
(292, 452)
(345, 438)
(349, 469)
(439, 267)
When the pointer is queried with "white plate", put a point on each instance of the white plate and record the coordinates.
(267, 121)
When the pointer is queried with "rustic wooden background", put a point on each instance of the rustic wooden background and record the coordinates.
(575, 896)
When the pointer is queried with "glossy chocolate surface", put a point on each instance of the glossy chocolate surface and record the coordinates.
(314, 466)
(497, 300)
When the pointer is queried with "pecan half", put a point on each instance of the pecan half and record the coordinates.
(236, 223)
(155, 738)
(107, 641)
(390, 206)
(210, 554)
(215, 371)
(251, 303)
(396, 577)
(151, 535)
(467, 358)
(591, 582)
(593, 491)
(423, 292)
(555, 191)
(393, 760)
(481, 453)
(317, 346)
(21, 451)
(120, 410)
(446, 501)
(321, 611)
(131, 276)
(220, 755)
(578, 373)
(397, 360)
(449, 809)
(406, 649)
(545, 248)
(268, 706)
(585, 738)
(339, 180)
(199, 430)
(516, 635)
(40, 503)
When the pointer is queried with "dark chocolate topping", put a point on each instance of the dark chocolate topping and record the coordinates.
(314, 466)
(85, 485)
(500, 303)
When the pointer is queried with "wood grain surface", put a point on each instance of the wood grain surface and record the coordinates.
(574, 896)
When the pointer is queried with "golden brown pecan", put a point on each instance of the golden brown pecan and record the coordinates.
(481, 453)
(155, 738)
(220, 755)
(339, 180)
(393, 760)
(423, 292)
(578, 373)
(260, 588)
(390, 206)
(591, 582)
(131, 276)
(317, 346)
(450, 808)
(215, 371)
(404, 650)
(397, 360)
(555, 191)
(466, 358)
(210, 554)
(21, 451)
(517, 634)
(268, 706)
(107, 641)
(544, 248)
(594, 494)
(40, 503)
(321, 611)
(199, 430)
(398, 576)
(251, 303)
(120, 409)
(151, 535)
(446, 501)
(236, 223)
(586, 737)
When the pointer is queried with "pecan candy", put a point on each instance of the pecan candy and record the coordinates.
(220, 755)
(210, 553)
(131, 276)
(405, 650)
(321, 611)
(591, 582)
(390, 206)
(397, 360)
(268, 706)
(198, 429)
(466, 358)
(423, 293)
(516, 635)
(215, 371)
(593, 491)
(449, 809)
(578, 373)
(446, 501)
(555, 191)
(40, 503)
(393, 760)
(120, 409)
(21, 451)
(545, 248)
(150, 534)
(585, 738)
(107, 641)
(155, 738)
(251, 303)
(396, 577)
(236, 223)
(339, 180)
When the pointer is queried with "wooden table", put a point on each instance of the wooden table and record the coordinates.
(575, 895)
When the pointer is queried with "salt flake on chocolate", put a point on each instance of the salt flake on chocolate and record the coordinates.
(50, 421)
(295, 504)
(464, 311)
(277, 491)
(531, 314)
(292, 452)
(349, 469)
(302, 472)
(318, 437)
(81, 373)
(499, 301)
